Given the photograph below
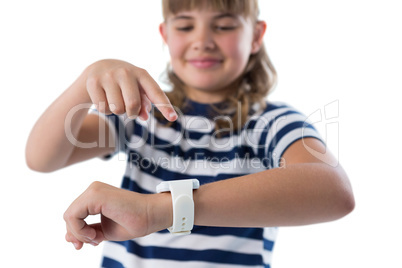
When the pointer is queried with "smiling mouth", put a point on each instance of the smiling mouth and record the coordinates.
(205, 63)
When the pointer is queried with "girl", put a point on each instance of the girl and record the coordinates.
(251, 157)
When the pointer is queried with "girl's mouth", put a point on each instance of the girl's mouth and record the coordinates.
(205, 62)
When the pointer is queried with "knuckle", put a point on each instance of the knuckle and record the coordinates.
(66, 216)
(142, 71)
(122, 72)
(95, 187)
(93, 83)
(108, 76)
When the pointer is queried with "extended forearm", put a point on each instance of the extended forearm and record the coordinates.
(49, 144)
(296, 195)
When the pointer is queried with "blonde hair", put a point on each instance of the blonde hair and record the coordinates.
(253, 85)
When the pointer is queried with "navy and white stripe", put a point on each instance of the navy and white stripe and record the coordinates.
(190, 148)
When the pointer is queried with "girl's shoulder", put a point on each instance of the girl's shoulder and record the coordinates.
(273, 108)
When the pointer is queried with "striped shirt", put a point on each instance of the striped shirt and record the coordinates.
(192, 148)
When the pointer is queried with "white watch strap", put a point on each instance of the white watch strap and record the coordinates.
(183, 204)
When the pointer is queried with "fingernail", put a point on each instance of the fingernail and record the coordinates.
(112, 107)
(88, 239)
(75, 245)
(173, 115)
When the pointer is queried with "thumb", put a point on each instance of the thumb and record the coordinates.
(100, 236)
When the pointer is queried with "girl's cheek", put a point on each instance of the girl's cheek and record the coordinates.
(238, 43)
(175, 48)
(233, 47)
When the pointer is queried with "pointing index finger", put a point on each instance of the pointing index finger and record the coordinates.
(156, 95)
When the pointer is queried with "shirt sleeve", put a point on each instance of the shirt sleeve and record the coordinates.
(284, 126)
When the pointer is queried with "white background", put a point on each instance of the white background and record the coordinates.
(345, 53)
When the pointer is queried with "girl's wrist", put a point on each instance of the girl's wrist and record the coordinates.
(82, 86)
(160, 212)
(78, 90)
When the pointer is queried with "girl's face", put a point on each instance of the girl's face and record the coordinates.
(210, 49)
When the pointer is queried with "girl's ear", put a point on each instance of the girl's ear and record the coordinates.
(163, 31)
(259, 32)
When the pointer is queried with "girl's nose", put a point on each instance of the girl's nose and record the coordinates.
(203, 40)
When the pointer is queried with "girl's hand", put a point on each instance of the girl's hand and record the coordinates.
(124, 215)
(119, 87)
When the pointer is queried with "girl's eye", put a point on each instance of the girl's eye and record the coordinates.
(225, 28)
(185, 28)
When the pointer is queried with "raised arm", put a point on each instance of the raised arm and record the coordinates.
(58, 137)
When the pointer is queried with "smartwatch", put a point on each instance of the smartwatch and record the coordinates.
(183, 204)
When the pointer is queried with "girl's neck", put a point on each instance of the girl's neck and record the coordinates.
(207, 97)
